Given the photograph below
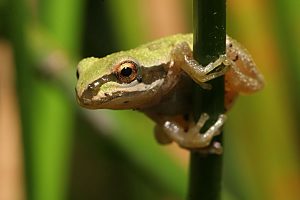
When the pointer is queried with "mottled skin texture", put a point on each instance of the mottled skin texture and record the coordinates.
(156, 78)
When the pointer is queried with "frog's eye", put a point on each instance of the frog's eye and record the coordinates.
(126, 71)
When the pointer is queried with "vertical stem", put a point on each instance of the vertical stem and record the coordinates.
(209, 43)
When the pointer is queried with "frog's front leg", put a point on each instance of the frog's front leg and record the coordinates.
(190, 138)
(182, 56)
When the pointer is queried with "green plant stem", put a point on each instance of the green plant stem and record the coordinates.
(209, 43)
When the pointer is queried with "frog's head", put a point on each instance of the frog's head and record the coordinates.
(118, 81)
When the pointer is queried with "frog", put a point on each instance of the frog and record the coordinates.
(157, 78)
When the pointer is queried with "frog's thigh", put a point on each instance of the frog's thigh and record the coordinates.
(191, 138)
(243, 82)
(161, 136)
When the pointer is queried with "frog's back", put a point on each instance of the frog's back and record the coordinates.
(158, 51)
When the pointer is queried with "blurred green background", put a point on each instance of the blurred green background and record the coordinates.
(51, 149)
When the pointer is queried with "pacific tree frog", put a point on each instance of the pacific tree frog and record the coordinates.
(156, 78)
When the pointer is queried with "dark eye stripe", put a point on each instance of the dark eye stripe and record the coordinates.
(146, 75)
(94, 87)
(149, 75)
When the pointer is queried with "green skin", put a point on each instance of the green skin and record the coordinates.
(156, 78)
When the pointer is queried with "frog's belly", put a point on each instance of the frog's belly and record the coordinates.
(177, 101)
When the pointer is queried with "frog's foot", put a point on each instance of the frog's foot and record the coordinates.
(211, 71)
(182, 54)
(191, 139)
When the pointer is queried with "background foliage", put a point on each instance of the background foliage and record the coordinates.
(71, 153)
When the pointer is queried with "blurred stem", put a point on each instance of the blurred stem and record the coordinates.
(209, 43)
(286, 14)
(24, 76)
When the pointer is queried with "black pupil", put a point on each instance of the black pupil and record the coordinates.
(126, 71)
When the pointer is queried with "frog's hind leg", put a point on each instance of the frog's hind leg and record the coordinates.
(182, 56)
(245, 81)
(243, 75)
(193, 140)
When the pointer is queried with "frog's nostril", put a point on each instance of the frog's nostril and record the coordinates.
(77, 74)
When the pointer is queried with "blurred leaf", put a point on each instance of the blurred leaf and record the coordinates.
(51, 122)
(136, 138)
(262, 147)
(63, 20)
(126, 19)
(287, 17)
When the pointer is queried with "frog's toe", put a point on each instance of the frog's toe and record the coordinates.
(214, 148)
(160, 135)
